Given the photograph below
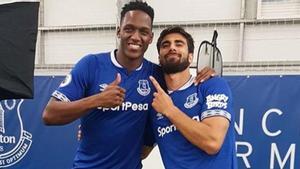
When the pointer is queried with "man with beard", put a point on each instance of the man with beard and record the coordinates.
(192, 125)
(111, 94)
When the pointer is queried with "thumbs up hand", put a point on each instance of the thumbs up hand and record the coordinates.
(117, 81)
(113, 95)
(162, 102)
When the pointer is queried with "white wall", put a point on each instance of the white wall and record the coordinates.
(262, 42)
(69, 47)
(272, 42)
(228, 40)
(195, 10)
(79, 12)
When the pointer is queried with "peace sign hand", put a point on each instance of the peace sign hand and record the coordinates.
(162, 102)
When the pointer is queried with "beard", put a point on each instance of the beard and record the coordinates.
(170, 67)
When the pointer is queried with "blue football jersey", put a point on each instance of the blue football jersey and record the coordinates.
(112, 137)
(211, 98)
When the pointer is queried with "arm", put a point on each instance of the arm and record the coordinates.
(207, 135)
(59, 112)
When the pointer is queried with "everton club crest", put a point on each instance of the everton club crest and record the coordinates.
(191, 101)
(143, 88)
(14, 140)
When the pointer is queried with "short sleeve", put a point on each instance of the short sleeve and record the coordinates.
(76, 82)
(217, 99)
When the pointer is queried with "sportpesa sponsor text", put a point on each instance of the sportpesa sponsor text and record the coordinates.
(127, 106)
(168, 129)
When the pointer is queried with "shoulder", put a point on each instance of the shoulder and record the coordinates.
(97, 56)
(214, 81)
(214, 85)
(151, 65)
(155, 69)
(94, 59)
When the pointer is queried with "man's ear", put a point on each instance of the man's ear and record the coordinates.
(118, 31)
(190, 58)
(152, 35)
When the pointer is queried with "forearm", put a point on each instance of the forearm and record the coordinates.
(60, 113)
(202, 135)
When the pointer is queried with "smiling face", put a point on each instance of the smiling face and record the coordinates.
(173, 53)
(135, 34)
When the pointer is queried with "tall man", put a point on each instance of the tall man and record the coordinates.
(111, 94)
(192, 125)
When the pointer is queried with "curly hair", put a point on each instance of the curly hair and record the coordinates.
(176, 29)
(137, 5)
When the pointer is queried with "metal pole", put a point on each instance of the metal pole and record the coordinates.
(242, 32)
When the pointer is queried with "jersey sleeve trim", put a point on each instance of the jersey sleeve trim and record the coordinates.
(60, 96)
(216, 112)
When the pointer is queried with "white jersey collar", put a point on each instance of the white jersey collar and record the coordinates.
(185, 86)
(116, 63)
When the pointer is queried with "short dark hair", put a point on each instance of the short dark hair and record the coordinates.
(180, 30)
(137, 5)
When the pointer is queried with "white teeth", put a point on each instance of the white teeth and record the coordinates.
(134, 46)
